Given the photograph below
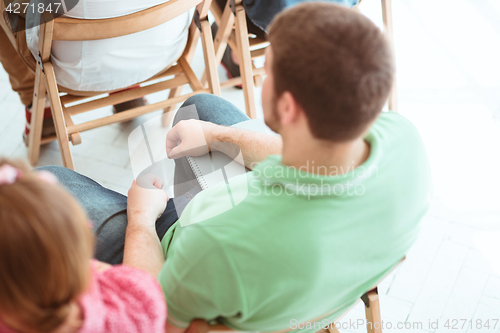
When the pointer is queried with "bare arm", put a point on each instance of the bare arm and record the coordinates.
(195, 137)
(255, 147)
(142, 247)
(146, 201)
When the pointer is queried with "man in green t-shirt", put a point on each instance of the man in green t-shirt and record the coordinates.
(330, 205)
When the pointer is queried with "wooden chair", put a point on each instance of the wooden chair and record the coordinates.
(64, 106)
(233, 32)
(372, 314)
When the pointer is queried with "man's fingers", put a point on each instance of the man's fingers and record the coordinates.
(150, 181)
(171, 143)
(173, 136)
(169, 148)
(176, 152)
(173, 140)
(158, 183)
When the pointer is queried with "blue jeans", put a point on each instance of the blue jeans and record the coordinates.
(107, 209)
(262, 12)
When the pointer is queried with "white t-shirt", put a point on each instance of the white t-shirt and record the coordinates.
(114, 63)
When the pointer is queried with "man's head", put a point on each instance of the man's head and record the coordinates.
(327, 65)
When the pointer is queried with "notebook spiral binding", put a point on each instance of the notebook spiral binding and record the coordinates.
(197, 172)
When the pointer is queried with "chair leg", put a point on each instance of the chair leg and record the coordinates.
(58, 116)
(188, 54)
(226, 22)
(209, 52)
(333, 329)
(245, 61)
(258, 80)
(389, 31)
(36, 124)
(393, 98)
(372, 312)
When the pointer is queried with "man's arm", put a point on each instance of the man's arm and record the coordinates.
(146, 201)
(255, 146)
(142, 247)
(196, 137)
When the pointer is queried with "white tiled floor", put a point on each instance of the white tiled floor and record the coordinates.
(448, 65)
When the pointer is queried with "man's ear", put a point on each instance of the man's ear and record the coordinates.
(289, 110)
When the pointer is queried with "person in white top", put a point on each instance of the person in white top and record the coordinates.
(98, 65)
(109, 64)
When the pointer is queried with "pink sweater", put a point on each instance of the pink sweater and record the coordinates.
(121, 299)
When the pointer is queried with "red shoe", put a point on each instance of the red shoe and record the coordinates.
(48, 128)
(230, 67)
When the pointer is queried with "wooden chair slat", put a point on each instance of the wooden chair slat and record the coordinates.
(194, 35)
(216, 12)
(241, 32)
(225, 26)
(389, 32)
(80, 29)
(57, 116)
(36, 125)
(257, 53)
(75, 138)
(237, 80)
(373, 318)
(257, 42)
(48, 139)
(131, 114)
(210, 63)
(44, 47)
(127, 95)
(67, 99)
(191, 76)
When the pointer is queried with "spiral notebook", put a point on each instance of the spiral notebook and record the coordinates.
(216, 167)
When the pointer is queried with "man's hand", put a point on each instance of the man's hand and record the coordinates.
(146, 199)
(191, 138)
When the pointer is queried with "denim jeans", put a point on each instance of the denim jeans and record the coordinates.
(260, 13)
(107, 209)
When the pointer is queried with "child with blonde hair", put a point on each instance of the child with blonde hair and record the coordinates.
(48, 280)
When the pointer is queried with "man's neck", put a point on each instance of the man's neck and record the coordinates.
(323, 157)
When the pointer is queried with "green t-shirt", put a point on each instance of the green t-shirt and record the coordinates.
(297, 246)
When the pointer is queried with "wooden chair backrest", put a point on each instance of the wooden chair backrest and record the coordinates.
(71, 29)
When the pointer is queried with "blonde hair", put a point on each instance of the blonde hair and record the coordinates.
(45, 248)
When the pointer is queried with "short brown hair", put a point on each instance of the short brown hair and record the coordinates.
(46, 245)
(336, 63)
